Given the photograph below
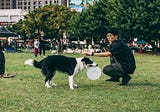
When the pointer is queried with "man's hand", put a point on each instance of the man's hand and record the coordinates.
(86, 53)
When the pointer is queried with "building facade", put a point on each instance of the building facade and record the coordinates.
(11, 11)
(8, 16)
(79, 5)
(29, 5)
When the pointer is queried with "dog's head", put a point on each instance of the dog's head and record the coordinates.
(88, 62)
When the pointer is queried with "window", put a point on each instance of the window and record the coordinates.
(3, 18)
(34, 3)
(7, 7)
(34, 7)
(19, 7)
(13, 17)
(7, 4)
(25, 3)
(19, 3)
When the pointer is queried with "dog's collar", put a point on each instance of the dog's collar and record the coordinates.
(84, 65)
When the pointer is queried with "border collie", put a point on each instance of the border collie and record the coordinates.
(69, 65)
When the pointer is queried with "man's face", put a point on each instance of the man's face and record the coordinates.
(111, 37)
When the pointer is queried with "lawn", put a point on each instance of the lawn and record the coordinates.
(26, 92)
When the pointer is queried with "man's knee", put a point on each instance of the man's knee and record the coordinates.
(107, 69)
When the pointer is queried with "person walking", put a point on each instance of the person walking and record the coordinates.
(122, 61)
(36, 47)
(42, 45)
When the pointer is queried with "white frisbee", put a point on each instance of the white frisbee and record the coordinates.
(94, 73)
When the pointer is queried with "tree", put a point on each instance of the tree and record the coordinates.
(89, 24)
(17, 28)
(136, 18)
(52, 19)
(55, 19)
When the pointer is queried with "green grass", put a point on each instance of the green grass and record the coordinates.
(26, 92)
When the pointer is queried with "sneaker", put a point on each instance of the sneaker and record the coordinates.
(112, 80)
(125, 80)
(1, 76)
(9, 75)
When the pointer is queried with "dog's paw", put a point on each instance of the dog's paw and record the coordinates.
(53, 84)
(48, 86)
(71, 88)
(75, 85)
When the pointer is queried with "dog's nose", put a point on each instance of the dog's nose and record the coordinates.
(94, 65)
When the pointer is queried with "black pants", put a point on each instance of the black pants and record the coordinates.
(114, 70)
(42, 49)
(2, 63)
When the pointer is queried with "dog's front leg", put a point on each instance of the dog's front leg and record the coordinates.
(70, 78)
(52, 83)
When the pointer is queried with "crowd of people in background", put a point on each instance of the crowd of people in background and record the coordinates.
(63, 45)
(40, 44)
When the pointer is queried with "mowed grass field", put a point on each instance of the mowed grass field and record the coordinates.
(26, 91)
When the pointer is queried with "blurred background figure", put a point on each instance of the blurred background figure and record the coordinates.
(36, 47)
(42, 41)
(2, 62)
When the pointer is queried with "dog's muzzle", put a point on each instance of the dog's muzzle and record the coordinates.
(92, 65)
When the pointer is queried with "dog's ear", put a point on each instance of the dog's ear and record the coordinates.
(83, 59)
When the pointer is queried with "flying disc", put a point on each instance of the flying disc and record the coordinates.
(94, 73)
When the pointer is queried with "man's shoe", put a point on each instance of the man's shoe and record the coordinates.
(125, 80)
(1, 76)
(112, 80)
(9, 75)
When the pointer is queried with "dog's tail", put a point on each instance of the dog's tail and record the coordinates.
(32, 62)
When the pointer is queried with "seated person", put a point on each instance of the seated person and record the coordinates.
(2, 63)
(2, 66)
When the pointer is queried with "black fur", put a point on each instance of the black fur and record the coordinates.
(87, 61)
(50, 64)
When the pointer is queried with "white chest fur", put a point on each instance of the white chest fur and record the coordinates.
(79, 66)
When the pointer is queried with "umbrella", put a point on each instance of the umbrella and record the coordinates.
(141, 42)
(4, 32)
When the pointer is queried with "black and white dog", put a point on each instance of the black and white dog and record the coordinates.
(69, 65)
